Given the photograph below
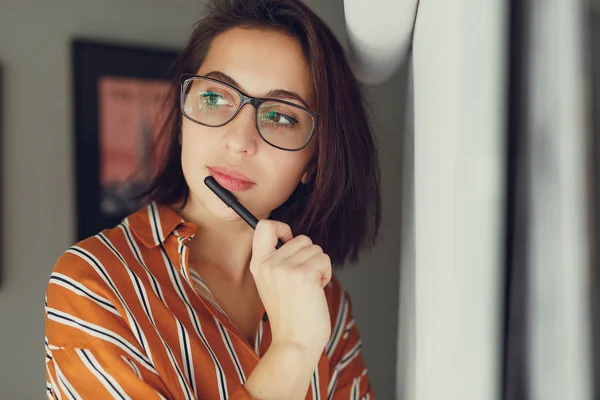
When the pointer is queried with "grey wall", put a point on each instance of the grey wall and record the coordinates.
(37, 168)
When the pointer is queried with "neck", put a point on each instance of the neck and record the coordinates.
(226, 245)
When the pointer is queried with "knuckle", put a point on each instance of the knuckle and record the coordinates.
(279, 224)
(261, 225)
(264, 223)
(303, 239)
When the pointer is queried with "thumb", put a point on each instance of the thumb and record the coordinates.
(266, 234)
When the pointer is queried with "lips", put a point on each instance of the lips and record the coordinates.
(231, 179)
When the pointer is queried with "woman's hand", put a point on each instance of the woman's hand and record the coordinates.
(290, 282)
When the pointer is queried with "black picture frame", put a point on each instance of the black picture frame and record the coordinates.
(91, 61)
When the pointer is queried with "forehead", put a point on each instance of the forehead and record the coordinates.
(260, 61)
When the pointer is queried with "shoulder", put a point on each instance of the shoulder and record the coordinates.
(92, 249)
(94, 261)
(88, 291)
(110, 257)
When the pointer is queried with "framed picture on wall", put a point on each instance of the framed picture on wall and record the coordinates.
(119, 95)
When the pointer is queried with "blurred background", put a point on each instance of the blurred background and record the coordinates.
(484, 281)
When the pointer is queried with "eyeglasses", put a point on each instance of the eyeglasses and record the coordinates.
(209, 102)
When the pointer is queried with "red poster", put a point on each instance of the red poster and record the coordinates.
(131, 112)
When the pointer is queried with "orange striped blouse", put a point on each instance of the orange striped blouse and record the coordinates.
(127, 318)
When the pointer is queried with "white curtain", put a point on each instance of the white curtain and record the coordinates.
(452, 264)
(459, 86)
(558, 242)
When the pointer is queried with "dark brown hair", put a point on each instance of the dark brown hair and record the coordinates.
(339, 208)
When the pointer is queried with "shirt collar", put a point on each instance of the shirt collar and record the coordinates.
(154, 223)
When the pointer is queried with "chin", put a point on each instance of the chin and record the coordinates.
(219, 210)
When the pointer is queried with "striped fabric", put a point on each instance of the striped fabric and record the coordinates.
(126, 318)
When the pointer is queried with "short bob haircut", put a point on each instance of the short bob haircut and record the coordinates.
(339, 207)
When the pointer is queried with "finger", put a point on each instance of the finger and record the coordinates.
(293, 246)
(301, 255)
(318, 267)
(266, 234)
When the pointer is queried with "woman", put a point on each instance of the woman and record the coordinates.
(183, 299)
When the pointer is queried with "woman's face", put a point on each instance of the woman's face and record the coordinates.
(256, 62)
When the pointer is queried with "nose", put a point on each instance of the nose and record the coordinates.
(241, 135)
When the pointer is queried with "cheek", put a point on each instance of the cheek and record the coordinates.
(196, 144)
(285, 172)
(286, 178)
(280, 182)
(195, 154)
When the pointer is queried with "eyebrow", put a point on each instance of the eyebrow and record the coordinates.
(273, 93)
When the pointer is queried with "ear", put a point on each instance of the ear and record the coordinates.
(304, 178)
(310, 172)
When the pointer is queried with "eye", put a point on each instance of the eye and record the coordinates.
(212, 100)
(279, 118)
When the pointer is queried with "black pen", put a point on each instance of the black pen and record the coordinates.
(228, 198)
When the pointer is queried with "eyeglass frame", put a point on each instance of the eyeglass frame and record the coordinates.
(246, 99)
